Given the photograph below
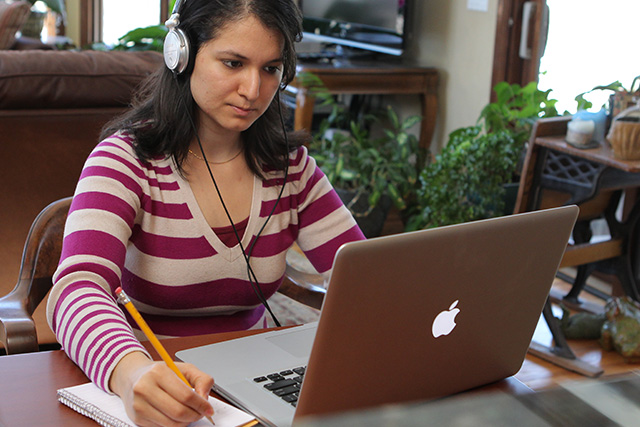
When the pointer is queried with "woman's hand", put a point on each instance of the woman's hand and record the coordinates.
(153, 395)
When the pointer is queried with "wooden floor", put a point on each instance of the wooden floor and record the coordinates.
(539, 374)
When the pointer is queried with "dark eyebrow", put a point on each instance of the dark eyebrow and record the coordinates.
(231, 53)
(239, 56)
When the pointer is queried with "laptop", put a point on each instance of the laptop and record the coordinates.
(407, 317)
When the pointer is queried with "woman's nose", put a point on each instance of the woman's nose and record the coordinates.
(250, 85)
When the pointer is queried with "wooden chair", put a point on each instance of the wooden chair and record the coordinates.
(40, 259)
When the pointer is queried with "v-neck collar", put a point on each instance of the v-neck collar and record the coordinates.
(228, 253)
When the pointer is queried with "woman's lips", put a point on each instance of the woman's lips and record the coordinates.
(242, 111)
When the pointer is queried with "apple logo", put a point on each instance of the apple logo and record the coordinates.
(445, 321)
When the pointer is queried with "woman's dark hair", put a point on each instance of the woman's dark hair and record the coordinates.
(157, 119)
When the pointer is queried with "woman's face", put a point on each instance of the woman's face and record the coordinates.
(236, 76)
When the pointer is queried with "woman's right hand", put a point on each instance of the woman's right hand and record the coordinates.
(153, 395)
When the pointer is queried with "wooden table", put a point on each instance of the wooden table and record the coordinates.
(29, 382)
(556, 173)
(370, 78)
(584, 175)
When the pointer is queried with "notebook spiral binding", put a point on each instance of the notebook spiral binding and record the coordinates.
(89, 410)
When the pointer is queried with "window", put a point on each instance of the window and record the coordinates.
(102, 20)
(590, 43)
(122, 16)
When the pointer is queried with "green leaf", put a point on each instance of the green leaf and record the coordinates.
(139, 34)
(402, 139)
(348, 175)
(393, 118)
(374, 198)
(410, 122)
(614, 86)
(396, 197)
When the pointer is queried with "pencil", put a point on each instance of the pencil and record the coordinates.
(124, 299)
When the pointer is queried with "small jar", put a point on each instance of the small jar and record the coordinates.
(580, 132)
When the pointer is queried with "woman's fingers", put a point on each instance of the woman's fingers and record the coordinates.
(201, 382)
(157, 396)
(174, 398)
(166, 408)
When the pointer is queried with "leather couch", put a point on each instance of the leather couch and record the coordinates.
(53, 105)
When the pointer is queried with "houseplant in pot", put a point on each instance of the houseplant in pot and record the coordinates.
(471, 177)
(465, 182)
(371, 173)
(373, 161)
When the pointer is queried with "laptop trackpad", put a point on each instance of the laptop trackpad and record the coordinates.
(297, 343)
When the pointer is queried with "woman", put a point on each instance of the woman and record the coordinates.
(147, 216)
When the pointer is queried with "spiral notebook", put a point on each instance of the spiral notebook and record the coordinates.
(108, 410)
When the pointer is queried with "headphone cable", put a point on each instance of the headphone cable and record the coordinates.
(253, 281)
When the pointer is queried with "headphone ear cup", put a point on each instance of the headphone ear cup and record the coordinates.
(176, 50)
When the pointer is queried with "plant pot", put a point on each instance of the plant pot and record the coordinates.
(34, 24)
(370, 220)
(510, 196)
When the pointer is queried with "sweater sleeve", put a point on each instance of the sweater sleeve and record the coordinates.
(81, 309)
(325, 223)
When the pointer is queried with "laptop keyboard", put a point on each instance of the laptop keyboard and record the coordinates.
(285, 384)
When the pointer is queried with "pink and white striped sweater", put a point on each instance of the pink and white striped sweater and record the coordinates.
(137, 225)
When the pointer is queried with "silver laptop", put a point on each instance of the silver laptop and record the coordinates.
(408, 317)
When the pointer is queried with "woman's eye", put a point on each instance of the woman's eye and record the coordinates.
(231, 63)
(272, 69)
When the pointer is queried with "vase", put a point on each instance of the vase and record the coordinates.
(33, 26)
(370, 220)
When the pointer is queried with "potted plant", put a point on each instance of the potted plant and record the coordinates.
(619, 100)
(33, 26)
(468, 180)
(465, 182)
(370, 173)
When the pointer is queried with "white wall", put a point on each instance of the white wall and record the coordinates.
(73, 20)
(459, 42)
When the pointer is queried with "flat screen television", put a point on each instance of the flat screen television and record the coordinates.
(372, 25)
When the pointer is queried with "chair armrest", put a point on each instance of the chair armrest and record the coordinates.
(17, 328)
(306, 288)
(39, 261)
(302, 282)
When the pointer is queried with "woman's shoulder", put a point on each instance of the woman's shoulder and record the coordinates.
(118, 143)
(300, 159)
(120, 146)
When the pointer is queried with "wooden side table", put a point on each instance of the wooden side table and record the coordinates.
(373, 78)
(593, 179)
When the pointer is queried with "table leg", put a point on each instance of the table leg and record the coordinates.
(560, 353)
(429, 115)
(303, 116)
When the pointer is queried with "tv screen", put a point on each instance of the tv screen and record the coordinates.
(375, 25)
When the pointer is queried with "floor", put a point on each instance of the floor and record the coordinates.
(539, 374)
(290, 312)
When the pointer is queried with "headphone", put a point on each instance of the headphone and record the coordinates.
(176, 48)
